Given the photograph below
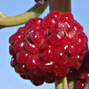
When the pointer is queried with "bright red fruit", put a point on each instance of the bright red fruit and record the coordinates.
(48, 49)
(83, 73)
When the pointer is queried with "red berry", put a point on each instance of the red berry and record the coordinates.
(48, 55)
(50, 77)
(30, 47)
(22, 57)
(13, 62)
(24, 76)
(61, 59)
(60, 70)
(32, 61)
(15, 37)
(45, 66)
(67, 17)
(80, 85)
(83, 73)
(56, 38)
(11, 51)
(20, 69)
(21, 30)
(37, 81)
(48, 49)
(54, 14)
(18, 45)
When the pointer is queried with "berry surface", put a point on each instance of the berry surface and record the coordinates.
(48, 49)
(83, 73)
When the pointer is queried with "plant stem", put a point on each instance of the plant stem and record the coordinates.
(67, 82)
(60, 5)
(71, 80)
(7, 21)
(61, 84)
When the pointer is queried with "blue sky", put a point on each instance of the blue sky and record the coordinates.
(8, 78)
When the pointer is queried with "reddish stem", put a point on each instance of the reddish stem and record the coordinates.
(60, 5)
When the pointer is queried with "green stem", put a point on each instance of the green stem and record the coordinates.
(7, 21)
(61, 84)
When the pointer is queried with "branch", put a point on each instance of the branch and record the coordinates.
(35, 11)
(60, 5)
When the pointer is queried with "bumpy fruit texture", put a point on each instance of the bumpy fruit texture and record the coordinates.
(83, 73)
(48, 49)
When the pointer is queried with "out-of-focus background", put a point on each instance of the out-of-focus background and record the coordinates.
(9, 79)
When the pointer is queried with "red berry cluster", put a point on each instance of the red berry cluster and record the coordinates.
(48, 49)
(83, 73)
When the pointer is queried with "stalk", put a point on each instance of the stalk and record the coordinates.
(60, 5)
(35, 11)
(61, 84)
(67, 82)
